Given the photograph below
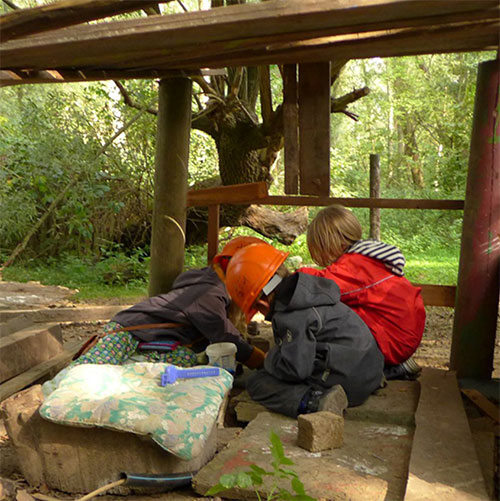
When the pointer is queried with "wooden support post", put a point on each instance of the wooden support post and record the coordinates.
(314, 128)
(213, 231)
(291, 129)
(476, 304)
(171, 170)
(375, 193)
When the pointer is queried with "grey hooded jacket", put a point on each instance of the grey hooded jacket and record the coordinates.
(321, 341)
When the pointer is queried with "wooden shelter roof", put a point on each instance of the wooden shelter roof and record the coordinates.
(272, 32)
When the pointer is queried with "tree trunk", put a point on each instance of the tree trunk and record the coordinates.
(246, 155)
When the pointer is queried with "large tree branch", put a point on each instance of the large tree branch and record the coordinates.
(236, 83)
(129, 102)
(284, 226)
(339, 104)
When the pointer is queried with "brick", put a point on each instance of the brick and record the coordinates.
(320, 431)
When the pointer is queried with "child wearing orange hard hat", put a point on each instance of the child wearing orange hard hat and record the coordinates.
(172, 327)
(324, 356)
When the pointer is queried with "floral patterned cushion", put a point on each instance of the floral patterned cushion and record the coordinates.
(178, 416)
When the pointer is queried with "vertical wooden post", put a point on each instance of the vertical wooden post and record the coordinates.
(476, 305)
(291, 129)
(213, 231)
(314, 128)
(171, 170)
(375, 193)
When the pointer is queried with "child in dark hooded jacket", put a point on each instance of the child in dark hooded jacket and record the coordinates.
(370, 276)
(323, 351)
(174, 326)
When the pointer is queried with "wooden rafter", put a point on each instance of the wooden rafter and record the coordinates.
(24, 22)
(18, 77)
(274, 31)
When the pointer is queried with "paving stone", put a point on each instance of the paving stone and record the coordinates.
(225, 435)
(320, 431)
(371, 465)
(395, 404)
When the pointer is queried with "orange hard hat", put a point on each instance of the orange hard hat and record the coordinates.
(249, 270)
(227, 252)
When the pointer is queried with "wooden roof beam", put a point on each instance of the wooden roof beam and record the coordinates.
(118, 41)
(24, 22)
(267, 45)
(18, 77)
(406, 42)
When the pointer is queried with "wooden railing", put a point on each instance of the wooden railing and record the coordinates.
(256, 193)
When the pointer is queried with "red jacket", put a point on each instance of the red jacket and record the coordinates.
(389, 304)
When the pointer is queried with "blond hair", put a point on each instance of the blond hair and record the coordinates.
(331, 232)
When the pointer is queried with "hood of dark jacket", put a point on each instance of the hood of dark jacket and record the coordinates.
(197, 277)
(299, 291)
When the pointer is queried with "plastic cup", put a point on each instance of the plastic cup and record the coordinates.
(222, 355)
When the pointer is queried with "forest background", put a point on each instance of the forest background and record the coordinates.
(417, 117)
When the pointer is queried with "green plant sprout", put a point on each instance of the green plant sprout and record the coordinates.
(254, 477)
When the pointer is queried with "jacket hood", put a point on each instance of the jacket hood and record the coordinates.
(197, 277)
(300, 291)
(390, 255)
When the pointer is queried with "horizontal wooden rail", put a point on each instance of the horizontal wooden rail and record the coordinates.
(382, 203)
(433, 295)
(438, 295)
(232, 194)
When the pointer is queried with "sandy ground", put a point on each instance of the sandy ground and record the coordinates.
(433, 352)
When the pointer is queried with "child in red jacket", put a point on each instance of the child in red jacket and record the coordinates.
(370, 276)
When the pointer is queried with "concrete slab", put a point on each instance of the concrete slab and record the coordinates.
(371, 465)
(443, 463)
(396, 404)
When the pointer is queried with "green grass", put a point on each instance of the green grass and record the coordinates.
(122, 277)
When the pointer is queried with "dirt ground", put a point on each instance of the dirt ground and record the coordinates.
(433, 352)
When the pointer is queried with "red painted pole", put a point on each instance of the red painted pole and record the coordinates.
(476, 305)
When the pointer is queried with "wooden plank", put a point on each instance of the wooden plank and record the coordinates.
(438, 295)
(232, 194)
(25, 22)
(443, 461)
(213, 231)
(402, 42)
(314, 129)
(383, 203)
(49, 367)
(15, 324)
(24, 349)
(483, 403)
(19, 77)
(266, 48)
(291, 128)
(90, 44)
(80, 314)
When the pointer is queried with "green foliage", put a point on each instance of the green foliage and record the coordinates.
(254, 477)
(115, 276)
(417, 117)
